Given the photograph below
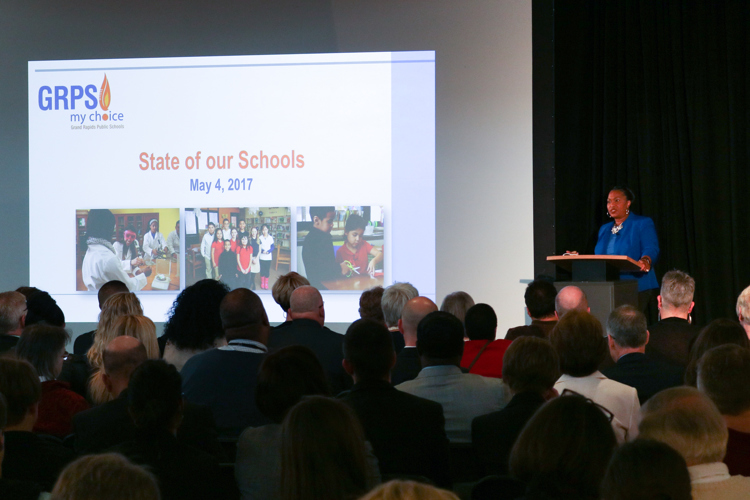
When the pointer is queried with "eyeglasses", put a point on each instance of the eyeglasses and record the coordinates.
(610, 416)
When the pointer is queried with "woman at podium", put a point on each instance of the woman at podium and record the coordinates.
(635, 236)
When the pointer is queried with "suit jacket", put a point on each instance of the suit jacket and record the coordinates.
(407, 366)
(670, 339)
(646, 374)
(738, 453)
(83, 343)
(324, 342)
(493, 435)
(463, 396)
(8, 342)
(537, 328)
(29, 457)
(108, 425)
(407, 433)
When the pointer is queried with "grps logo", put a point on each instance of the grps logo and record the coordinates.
(68, 97)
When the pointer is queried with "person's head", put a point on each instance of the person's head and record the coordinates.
(688, 421)
(119, 304)
(457, 303)
(100, 224)
(254, 233)
(284, 286)
(139, 327)
(676, 296)
(155, 396)
(44, 347)
(322, 218)
(394, 299)
(579, 343)
(618, 202)
(120, 358)
(42, 308)
(570, 298)
(177, 227)
(743, 308)
(481, 322)
(110, 476)
(723, 375)
(307, 303)
(129, 235)
(565, 447)
(226, 223)
(234, 234)
(718, 332)
(412, 313)
(531, 365)
(540, 299)
(264, 230)
(211, 228)
(368, 350)
(19, 383)
(370, 306)
(353, 231)
(408, 490)
(109, 289)
(218, 235)
(227, 245)
(153, 224)
(243, 224)
(243, 316)
(645, 469)
(322, 451)
(440, 339)
(12, 312)
(244, 241)
(194, 322)
(627, 327)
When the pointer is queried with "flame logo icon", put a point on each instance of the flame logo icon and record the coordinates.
(105, 96)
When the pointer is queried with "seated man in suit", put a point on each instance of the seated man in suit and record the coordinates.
(540, 305)
(407, 361)
(627, 338)
(224, 378)
(307, 328)
(393, 301)
(440, 343)
(530, 370)
(483, 354)
(11, 488)
(407, 433)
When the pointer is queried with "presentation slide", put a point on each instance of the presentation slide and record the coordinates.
(238, 168)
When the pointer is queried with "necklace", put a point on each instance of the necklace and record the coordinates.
(616, 229)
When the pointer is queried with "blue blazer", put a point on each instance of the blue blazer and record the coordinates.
(636, 239)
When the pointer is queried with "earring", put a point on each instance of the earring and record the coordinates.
(608, 214)
(690, 319)
(627, 211)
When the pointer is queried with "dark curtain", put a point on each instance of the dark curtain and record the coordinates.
(655, 95)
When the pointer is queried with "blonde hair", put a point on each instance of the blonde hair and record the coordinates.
(109, 476)
(408, 490)
(117, 305)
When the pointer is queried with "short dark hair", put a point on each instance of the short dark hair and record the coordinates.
(718, 332)
(540, 298)
(211, 224)
(20, 385)
(154, 394)
(242, 307)
(579, 343)
(530, 365)
(42, 308)
(440, 335)
(368, 346)
(353, 222)
(627, 326)
(723, 373)
(194, 321)
(110, 288)
(100, 224)
(285, 376)
(481, 322)
(40, 345)
(370, 304)
(320, 212)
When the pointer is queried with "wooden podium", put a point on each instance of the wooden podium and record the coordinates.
(599, 277)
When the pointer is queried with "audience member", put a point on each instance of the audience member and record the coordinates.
(718, 332)
(723, 375)
(483, 354)
(578, 340)
(284, 286)
(307, 328)
(689, 422)
(571, 298)
(11, 488)
(155, 403)
(119, 304)
(393, 301)
(323, 452)
(457, 303)
(28, 457)
(646, 470)
(194, 324)
(530, 369)
(110, 476)
(463, 395)
(407, 433)
(671, 337)
(84, 341)
(628, 338)
(224, 379)
(12, 319)
(408, 490)
(540, 305)
(42, 308)
(285, 376)
(407, 360)
(563, 451)
(370, 306)
(44, 347)
(743, 309)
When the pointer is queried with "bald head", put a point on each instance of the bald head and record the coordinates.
(307, 303)
(412, 313)
(571, 298)
(243, 316)
(120, 358)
